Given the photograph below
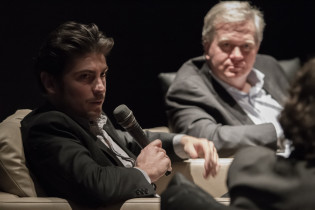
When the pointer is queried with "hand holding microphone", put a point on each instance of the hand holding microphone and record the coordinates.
(152, 158)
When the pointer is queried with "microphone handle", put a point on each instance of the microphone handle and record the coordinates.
(138, 134)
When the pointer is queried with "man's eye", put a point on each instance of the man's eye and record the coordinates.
(103, 74)
(85, 77)
(247, 47)
(226, 46)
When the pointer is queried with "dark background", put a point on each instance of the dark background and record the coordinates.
(150, 37)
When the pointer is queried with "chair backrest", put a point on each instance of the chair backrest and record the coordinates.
(166, 79)
(290, 67)
(14, 175)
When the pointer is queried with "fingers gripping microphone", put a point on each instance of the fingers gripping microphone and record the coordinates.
(126, 119)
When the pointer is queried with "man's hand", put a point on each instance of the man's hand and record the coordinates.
(202, 148)
(154, 161)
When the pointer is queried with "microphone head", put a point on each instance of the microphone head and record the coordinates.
(122, 114)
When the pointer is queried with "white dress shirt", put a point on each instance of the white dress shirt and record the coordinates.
(259, 106)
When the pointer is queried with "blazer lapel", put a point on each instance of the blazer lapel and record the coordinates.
(102, 154)
(109, 152)
(109, 128)
(225, 99)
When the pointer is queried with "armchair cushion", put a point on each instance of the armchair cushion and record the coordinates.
(14, 175)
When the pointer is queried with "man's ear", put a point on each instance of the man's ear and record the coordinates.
(49, 82)
(257, 48)
(206, 46)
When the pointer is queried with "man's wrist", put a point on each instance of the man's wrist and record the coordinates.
(144, 174)
(178, 147)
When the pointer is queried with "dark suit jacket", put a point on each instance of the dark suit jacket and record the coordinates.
(199, 106)
(71, 163)
(257, 180)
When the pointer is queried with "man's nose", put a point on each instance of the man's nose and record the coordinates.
(100, 85)
(236, 53)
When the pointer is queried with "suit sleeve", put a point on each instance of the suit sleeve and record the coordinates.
(166, 138)
(66, 168)
(193, 109)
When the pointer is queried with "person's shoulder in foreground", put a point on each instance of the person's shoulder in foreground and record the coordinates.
(260, 179)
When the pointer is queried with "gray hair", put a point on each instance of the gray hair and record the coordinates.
(231, 12)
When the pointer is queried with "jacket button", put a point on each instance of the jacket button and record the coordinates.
(138, 192)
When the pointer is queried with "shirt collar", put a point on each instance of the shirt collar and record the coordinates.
(96, 126)
(255, 78)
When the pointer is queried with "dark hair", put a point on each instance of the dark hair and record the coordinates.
(66, 42)
(298, 115)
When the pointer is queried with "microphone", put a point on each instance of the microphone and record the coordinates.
(127, 120)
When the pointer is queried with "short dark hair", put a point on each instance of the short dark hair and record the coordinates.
(66, 42)
(298, 116)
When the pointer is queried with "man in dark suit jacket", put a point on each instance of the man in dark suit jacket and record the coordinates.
(70, 144)
(230, 95)
(258, 178)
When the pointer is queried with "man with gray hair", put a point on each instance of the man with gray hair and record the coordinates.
(230, 95)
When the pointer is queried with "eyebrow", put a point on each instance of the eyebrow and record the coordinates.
(223, 39)
(90, 71)
(227, 39)
(250, 41)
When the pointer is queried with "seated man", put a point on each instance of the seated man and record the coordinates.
(258, 178)
(70, 144)
(230, 95)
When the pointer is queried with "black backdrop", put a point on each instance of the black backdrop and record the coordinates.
(150, 37)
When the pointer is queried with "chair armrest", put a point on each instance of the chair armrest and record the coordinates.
(193, 169)
(159, 129)
(141, 204)
(10, 201)
(154, 203)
